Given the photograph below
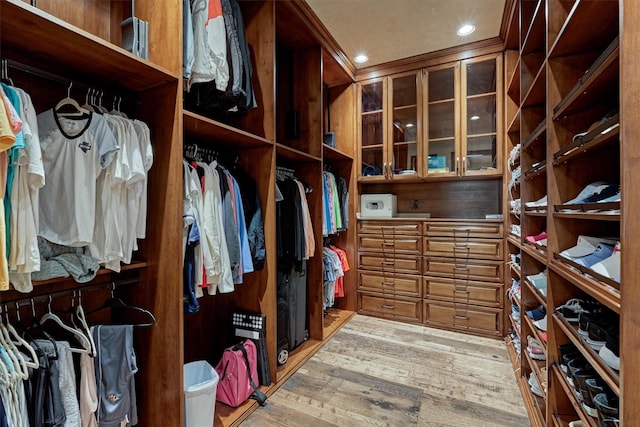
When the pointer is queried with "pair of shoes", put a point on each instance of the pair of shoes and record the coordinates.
(534, 386)
(537, 313)
(535, 350)
(537, 238)
(577, 423)
(595, 192)
(589, 250)
(539, 280)
(572, 309)
(567, 353)
(540, 203)
(514, 292)
(610, 351)
(608, 406)
(610, 267)
(541, 323)
(515, 260)
(515, 230)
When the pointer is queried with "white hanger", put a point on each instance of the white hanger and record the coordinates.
(6, 378)
(19, 367)
(68, 101)
(85, 326)
(18, 340)
(76, 333)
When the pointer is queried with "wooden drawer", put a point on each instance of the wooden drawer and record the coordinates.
(409, 310)
(467, 319)
(394, 264)
(393, 284)
(407, 245)
(391, 228)
(490, 271)
(464, 291)
(463, 230)
(472, 248)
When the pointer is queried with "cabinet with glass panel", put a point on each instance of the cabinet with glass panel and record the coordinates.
(389, 127)
(462, 106)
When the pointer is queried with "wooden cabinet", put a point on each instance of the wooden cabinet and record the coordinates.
(462, 118)
(452, 269)
(389, 111)
(570, 106)
(463, 276)
(441, 121)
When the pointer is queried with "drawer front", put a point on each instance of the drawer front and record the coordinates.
(473, 248)
(469, 319)
(393, 284)
(463, 230)
(390, 228)
(464, 291)
(408, 245)
(395, 264)
(490, 271)
(399, 309)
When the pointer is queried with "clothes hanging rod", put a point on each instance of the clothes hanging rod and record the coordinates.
(27, 301)
(62, 81)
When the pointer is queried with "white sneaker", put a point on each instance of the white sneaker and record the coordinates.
(542, 202)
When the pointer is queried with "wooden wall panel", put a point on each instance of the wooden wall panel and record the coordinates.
(165, 32)
(93, 16)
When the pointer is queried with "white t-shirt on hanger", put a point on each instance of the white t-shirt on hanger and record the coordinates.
(74, 152)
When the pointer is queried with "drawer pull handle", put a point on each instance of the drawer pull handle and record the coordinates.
(392, 307)
(460, 317)
(461, 268)
(388, 283)
(388, 244)
(460, 292)
(387, 263)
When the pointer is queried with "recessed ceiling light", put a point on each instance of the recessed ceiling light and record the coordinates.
(466, 29)
(474, 118)
(361, 58)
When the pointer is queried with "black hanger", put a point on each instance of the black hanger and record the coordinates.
(117, 303)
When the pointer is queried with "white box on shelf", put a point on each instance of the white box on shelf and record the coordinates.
(378, 205)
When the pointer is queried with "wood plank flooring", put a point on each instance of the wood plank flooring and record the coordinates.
(377, 372)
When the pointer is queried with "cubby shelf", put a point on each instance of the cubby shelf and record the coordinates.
(560, 378)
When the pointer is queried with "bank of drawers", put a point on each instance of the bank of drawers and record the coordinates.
(447, 274)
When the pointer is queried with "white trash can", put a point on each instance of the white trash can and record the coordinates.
(200, 383)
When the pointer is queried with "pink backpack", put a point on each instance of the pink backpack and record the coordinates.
(238, 374)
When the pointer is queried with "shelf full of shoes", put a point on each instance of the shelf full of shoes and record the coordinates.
(584, 235)
(533, 208)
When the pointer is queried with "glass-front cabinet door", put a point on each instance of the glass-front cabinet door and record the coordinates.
(441, 155)
(404, 130)
(480, 150)
(373, 158)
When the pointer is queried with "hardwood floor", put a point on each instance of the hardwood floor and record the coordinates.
(377, 372)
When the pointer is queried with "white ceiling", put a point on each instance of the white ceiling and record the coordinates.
(387, 30)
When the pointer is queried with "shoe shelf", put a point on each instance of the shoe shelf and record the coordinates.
(514, 240)
(595, 216)
(513, 88)
(534, 332)
(536, 94)
(513, 354)
(516, 271)
(607, 295)
(538, 170)
(536, 367)
(602, 137)
(533, 290)
(590, 25)
(587, 271)
(201, 128)
(538, 136)
(514, 125)
(515, 326)
(535, 251)
(559, 377)
(535, 36)
(600, 80)
(535, 212)
(610, 376)
(536, 406)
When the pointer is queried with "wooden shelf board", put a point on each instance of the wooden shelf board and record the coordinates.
(534, 404)
(610, 376)
(536, 137)
(513, 84)
(535, 36)
(604, 293)
(575, 37)
(532, 249)
(334, 320)
(536, 94)
(598, 143)
(514, 125)
(513, 355)
(536, 366)
(481, 95)
(135, 265)
(516, 271)
(535, 213)
(372, 146)
(589, 216)
(515, 240)
(534, 291)
(294, 155)
(568, 391)
(297, 358)
(534, 332)
(330, 153)
(55, 46)
(204, 128)
(540, 170)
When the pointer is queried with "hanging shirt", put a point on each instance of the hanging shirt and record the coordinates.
(74, 152)
(210, 44)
